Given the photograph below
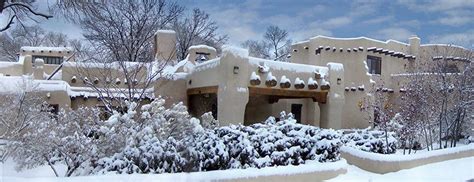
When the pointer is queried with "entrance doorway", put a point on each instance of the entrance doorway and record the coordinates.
(296, 111)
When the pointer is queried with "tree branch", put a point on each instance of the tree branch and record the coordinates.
(28, 8)
(8, 24)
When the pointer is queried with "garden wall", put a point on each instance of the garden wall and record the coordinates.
(385, 163)
(307, 172)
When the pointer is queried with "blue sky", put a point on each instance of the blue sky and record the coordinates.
(434, 21)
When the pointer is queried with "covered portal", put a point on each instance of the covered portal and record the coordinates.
(240, 89)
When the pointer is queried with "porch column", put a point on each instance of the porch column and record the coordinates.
(331, 111)
(232, 94)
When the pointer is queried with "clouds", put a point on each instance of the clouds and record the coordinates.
(446, 21)
(465, 39)
(446, 12)
(396, 33)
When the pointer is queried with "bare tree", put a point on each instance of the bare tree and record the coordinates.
(19, 11)
(11, 41)
(275, 45)
(438, 100)
(196, 29)
(123, 29)
(120, 34)
(260, 49)
(379, 108)
(278, 39)
(20, 111)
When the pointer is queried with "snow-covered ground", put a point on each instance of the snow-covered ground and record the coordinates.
(451, 170)
(44, 173)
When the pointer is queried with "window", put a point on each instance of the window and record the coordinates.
(452, 68)
(374, 64)
(49, 59)
(202, 57)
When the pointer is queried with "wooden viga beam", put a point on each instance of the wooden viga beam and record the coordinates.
(275, 93)
(202, 90)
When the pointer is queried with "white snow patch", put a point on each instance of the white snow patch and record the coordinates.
(278, 65)
(202, 47)
(336, 66)
(451, 170)
(395, 157)
(270, 77)
(298, 81)
(254, 76)
(358, 38)
(44, 173)
(30, 48)
(165, 31)
(242, 89)
(284, 79)
(236, 51)
(207, 65)
(8, 64)
(311, 81)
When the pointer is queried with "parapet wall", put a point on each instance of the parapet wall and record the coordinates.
(385, 163)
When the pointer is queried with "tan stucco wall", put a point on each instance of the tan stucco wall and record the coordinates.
(342, 109)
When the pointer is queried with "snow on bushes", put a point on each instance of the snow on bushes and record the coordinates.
(259, 145)
(371, 141)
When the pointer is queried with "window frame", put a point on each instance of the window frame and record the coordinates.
(374, 64)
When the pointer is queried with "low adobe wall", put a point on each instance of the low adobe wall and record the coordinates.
(307, 172)
(385, 163)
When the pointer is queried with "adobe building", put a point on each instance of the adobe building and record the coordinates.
(324, 84)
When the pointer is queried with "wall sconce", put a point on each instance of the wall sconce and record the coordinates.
(236, 70)
(339, 80)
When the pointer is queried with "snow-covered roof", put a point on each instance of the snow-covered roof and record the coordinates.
(358, 38)
(112, 65)
(443, 45)
(115, 92)
(8, 64)
(278, 65)
(165, 31)
(202, 47)
(12, 84)
(57, 49)
(206, 65)
(237, 51)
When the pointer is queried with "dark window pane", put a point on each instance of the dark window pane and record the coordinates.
(374, 64)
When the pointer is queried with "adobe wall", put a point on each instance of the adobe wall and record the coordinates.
(312, 176)
(356, 72)
(381, 163)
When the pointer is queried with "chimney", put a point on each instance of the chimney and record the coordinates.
(414, 42)
(38, 71)
(165, 45)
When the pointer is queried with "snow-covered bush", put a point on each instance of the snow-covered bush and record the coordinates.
(371, 141)
(155, 139)
(265, 144)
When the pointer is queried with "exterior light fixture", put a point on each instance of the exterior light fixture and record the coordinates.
(236, 70)
(339, 80)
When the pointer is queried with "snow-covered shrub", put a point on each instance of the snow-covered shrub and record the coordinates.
(265, 144)
(371, 141)
(72, 137)
(208, 121)
(150, 156)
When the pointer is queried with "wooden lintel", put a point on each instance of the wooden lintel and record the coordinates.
(275, 93)
(202, 90)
